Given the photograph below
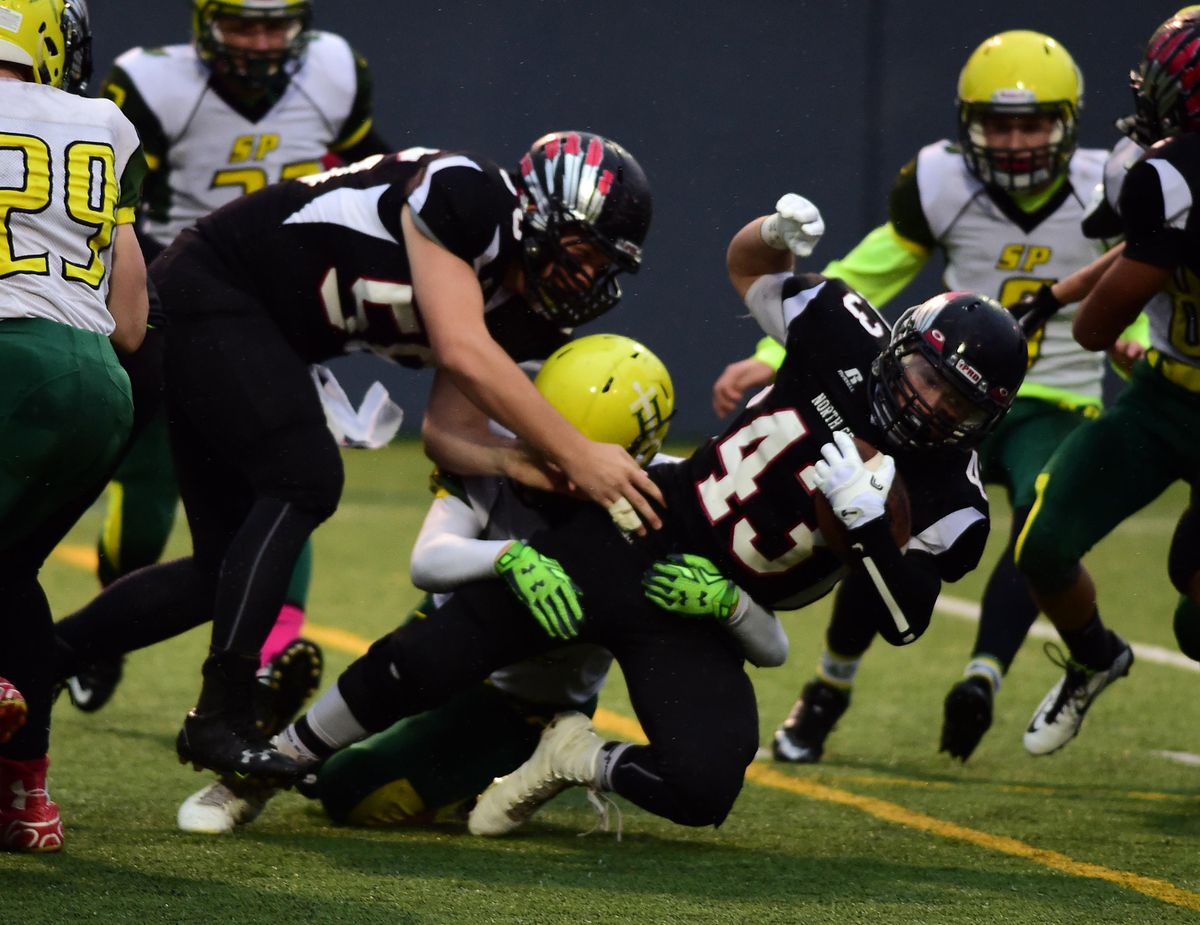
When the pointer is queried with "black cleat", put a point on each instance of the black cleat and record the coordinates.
(801, 738)
(284, 685)
(216, 742)
(968, 715)
(94, 685)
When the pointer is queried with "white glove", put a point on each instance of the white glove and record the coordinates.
(796, 226)
(857, 490)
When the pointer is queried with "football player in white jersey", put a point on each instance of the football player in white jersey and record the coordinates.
(257, 96)
(74, 286)
(1004, 205)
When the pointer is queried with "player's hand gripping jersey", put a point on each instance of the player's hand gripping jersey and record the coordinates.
(71, 169)
(205, 150)
(325, 254)
(745, 500)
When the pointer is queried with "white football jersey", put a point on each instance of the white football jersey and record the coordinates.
(989, 251)
(214, 153)
(70, 172)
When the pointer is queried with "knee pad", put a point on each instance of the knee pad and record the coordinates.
(1183, 560)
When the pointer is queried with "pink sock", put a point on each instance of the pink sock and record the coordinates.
(286, 629)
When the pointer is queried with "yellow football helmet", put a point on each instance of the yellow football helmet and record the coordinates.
(613, 389)
(1019, 73)
(31, 34)
(257, 68)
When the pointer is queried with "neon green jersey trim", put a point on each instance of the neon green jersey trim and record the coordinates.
(880, 265)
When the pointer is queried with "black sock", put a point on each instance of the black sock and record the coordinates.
(1008, 608)
(1093, 646)
(229, 680)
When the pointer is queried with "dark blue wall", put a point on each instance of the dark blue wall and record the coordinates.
(726, 104)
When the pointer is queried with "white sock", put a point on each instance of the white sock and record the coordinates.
(331, 721)
(837, 670)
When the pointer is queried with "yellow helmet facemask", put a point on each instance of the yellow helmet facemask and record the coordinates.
(1019, 74)
(613, 389)
(31, 34)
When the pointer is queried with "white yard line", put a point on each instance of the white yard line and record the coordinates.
(969, 610)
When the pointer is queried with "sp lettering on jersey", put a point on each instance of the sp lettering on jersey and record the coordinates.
(1023, 257)
(253, 147)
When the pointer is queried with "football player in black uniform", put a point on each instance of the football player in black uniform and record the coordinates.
(1115, 465)
(426, 257)
(925, 392)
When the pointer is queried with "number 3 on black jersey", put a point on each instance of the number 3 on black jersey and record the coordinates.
(91, 201)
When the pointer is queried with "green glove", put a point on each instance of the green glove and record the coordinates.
(690, 585)
(541, 585)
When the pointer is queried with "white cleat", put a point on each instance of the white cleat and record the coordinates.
(1060, 714)
(565, 757)
(222, 806)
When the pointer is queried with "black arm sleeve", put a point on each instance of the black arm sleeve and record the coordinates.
(1149, 237)
(905, 211)
(900, 596)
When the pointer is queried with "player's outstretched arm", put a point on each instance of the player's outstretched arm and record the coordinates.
(452, 305)
(127, 299)
(769, 244)
(1115, 300)
(458, 438)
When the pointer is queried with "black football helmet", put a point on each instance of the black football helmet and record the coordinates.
(1166, 84)
(580, 188)
(77, 39)
(974, 346)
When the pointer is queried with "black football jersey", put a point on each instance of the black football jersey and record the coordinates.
(1156, 205)
(746, 498)
(325, 255)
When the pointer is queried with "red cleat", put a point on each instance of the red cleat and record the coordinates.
(29, 819)
(12, 710)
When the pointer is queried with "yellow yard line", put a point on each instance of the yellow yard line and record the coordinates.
(1160, 890)
(82, 557)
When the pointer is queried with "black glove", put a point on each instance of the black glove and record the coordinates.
(1034, 309)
